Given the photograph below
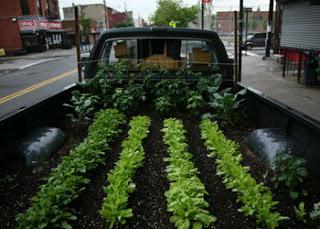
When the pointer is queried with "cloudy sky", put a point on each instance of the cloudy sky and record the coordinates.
(145, 8)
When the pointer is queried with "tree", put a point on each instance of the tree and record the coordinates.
(172, 10)
(85, 25)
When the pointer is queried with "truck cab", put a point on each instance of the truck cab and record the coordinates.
(169, 48)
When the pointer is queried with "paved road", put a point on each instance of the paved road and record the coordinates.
(26, 80)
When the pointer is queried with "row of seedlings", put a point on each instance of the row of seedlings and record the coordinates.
(50, 206)
(114, 208)
(186, 193)
(256, 198)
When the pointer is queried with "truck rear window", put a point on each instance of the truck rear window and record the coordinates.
(171, 54)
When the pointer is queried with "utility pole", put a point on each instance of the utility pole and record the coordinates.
(106, 16)
(202, 14)
(235, 34)
(76, 19)
(240, 39)
(246, 10)
(269, 29)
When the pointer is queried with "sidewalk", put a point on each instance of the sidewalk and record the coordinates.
(266, 76)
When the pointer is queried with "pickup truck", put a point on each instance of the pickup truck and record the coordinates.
(198, 51)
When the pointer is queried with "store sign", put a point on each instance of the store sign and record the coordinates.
(55, 25)
(27, 25)
(39, 23)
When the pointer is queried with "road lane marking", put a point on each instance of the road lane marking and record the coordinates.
(36, 86)
(35, 63)
(249, 53)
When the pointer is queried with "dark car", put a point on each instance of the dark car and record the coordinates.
(255, 40)
(170, 48)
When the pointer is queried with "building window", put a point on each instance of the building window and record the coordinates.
(55, 8)
(24, 7)
(47, 8)
(39, 7)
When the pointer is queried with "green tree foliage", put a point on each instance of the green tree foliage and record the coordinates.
(172, 10)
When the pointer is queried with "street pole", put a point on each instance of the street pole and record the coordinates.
(269, 29)
(240, 39)
(106, 16)
(235, 33)
(202, 14)
(76, 19)
(246, 35)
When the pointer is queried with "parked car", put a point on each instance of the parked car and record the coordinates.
(255, 40)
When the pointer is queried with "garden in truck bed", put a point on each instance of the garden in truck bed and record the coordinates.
(167, 153)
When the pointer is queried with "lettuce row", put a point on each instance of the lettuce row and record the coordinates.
(50, 205)
(114, 207)
(256, 198)
(186, 192)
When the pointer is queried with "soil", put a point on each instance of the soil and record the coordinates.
(18, 183)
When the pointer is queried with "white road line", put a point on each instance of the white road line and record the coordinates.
(35, 63)
(249, 53)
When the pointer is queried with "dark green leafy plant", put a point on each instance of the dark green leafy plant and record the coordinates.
(225, 106)
(114, 207)
(290, 171)
(83, 105)
(256, 198)
(50, 206)
(195, 102)
(300, 212)
(186, 192)
(163, 105)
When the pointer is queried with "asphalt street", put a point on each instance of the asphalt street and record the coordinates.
(29, 79)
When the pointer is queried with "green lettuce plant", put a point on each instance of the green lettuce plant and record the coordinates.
(300, 212)
(114, 208)
(186, 193)
(255, 197)
(50, 206)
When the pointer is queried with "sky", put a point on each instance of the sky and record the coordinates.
(145, 8)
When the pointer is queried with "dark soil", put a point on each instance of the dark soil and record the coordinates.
(18, 183)
(222, 201)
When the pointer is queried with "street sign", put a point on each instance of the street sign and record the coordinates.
(206, 1)
(247, 9)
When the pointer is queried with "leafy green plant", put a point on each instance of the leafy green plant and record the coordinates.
(315, 214)
(163, 105)
(186, 192)
(256, 198)
(114, 208)
(195, 102)
(209, 85)
(289, 170)
(50, 206)
(300, 212)
(225, 105)
(83, 105)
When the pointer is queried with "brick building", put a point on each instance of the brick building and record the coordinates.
(27, 24)
(96, 13)
(257, 22)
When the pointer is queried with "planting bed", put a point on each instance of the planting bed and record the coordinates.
(157, 165)
(148, 201)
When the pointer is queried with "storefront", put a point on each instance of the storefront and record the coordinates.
(40, 34)
(300, 38)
